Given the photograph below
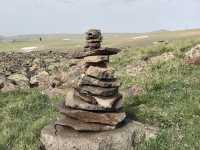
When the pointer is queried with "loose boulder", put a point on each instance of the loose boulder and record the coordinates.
(40, 80)
(19, 80)
(124, 138)
(193, 56)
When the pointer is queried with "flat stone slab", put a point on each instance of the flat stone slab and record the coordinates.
(96, 59)
(87, 80)
(100, 51)
(82, 126)
(98, 91)
(124, 138)
(113, 103)
(93, 117)
(77, 103)
(101, 73)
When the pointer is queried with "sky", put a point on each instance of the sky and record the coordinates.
(77, 16)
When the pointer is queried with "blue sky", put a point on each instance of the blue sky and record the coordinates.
(76, 16)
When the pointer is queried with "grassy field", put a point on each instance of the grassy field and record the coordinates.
(171, 98)
(69, 42)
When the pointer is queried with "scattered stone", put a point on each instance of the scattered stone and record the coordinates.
(2, 80)
(162, 58)
(19, 80)
(40, 80)
(58, 79)
(135, 90)
(28, 65)
(193, 56)
(125, 138)
(8, 86)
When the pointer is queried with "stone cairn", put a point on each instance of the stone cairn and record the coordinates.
(94, 102)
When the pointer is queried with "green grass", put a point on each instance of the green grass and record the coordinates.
(23, 115)
(121, 40)
(171, 101)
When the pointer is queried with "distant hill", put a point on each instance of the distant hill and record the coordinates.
(37, 36)
(1, 38)
(161, 30)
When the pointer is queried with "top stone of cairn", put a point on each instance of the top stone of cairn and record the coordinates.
(94, 39)
(93, 46)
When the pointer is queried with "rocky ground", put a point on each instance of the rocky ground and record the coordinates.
(48, 69)
(45, 70)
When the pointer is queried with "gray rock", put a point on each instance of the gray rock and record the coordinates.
(58, 79)
(100, 51)
(93, 45)
(76, 103)
(82, 126)
(87, 80)
(108, 102)
(41, 80)
(193, 55)
(124, 138)
(96, 59)
(98, 40)
(8, 86)
(114, 102)
(87, 98)
(19, 80)
(98, 91)
(101, 73)
(2, 80)
(93, 34)
(92, 117)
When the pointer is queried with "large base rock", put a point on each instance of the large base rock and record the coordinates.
(124, 138)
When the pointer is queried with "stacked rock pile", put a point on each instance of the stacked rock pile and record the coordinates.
(94, 103)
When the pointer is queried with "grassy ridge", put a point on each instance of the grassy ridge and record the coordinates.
(171, 101)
